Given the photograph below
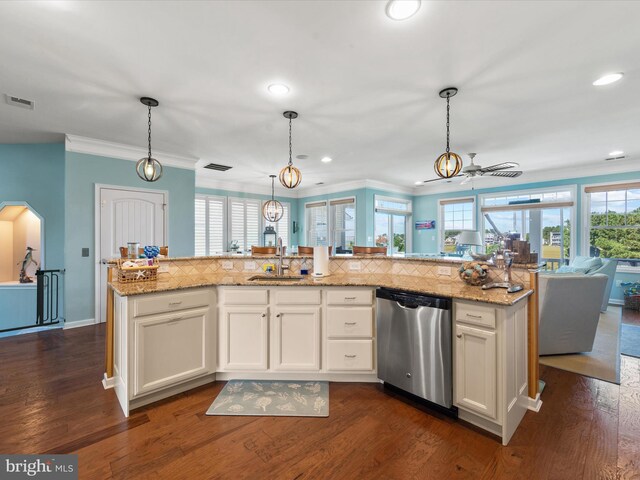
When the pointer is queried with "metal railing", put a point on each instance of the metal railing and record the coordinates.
(48, 295)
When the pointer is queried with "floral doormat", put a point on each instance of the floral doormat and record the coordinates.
(272, 398)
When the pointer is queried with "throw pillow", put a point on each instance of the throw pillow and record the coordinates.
(590, 263)
(568, 269)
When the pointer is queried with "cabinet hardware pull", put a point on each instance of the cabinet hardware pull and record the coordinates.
(277, 315)
(264, 315)
(349, 298)
(350, 323)
(473, 316)
(175, 303)
(350, 356)
(459, 335)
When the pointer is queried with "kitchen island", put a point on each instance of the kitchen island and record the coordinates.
(204, 319)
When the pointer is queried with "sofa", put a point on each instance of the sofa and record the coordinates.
(592, 266)
(569, 311)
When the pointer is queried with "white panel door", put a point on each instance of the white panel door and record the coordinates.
(475, 370)
(126, 216)
(296, 339)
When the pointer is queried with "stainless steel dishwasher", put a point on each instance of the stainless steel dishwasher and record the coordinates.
(414, 344)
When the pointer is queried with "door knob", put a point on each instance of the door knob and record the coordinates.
(408, 375)
(459, 335)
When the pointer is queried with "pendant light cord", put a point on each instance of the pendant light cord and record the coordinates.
(290, 162)
(447, 123)
(149, 132)
(273, 178)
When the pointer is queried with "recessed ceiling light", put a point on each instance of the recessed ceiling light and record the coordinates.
(326, 159)
(278, 89)
(615, 153)
(402, 9)
(419, 182)
(608, 78)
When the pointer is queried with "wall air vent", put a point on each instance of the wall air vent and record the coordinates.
(218, 167)
(19, 102)
(615, 158)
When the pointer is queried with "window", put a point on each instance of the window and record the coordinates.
(244, 222)
(455, 214)
(343, 224)
(613, 223)
(210, 225)
(282, 225)
(544, 218)
(392, 221)
(316, 223)
(331, 223)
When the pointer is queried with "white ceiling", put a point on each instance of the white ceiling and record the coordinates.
(366, 87)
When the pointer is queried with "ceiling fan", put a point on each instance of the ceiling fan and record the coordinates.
(475, 171)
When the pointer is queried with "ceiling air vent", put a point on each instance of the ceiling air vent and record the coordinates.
(218, 167)
(19, 102)
(615, 158)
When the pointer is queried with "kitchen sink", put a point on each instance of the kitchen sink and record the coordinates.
(282, 278)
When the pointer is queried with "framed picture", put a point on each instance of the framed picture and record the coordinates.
(426, 225)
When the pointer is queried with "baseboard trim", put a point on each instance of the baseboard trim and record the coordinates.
(108, 382)
(300, 376)
(618, 303)
(79, 323)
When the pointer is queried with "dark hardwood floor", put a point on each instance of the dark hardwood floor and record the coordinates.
(51, 400)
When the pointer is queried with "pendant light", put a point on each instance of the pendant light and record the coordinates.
(448, 164)
(148, 168)
(290, 176)
(272, 210)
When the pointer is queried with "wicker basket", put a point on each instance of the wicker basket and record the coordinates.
(632, 302)
(146, 273)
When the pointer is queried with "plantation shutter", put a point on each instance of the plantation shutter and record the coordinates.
(200, 226)
(244, 219)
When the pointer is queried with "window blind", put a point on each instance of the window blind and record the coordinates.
(244, 222)
(525, 206)
(316, 223)
(200, 226)
(457, 200)
(612, 188)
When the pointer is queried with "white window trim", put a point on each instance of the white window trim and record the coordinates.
(572, 188)
(225, 223)
(586, 222)
(440, 217)
(408, 241)
(330, 226)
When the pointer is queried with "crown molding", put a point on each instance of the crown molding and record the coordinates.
(103, 148)
(582, 171)
(205, 182)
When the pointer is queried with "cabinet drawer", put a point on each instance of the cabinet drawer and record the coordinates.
(475, 314)
(350, 321)
(169, 302)
(350, 296)
(245, 296)
(350, 355)
(297, 296)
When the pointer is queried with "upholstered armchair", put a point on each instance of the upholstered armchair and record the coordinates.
(569, 311)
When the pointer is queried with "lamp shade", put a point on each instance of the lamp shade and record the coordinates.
(469, 237)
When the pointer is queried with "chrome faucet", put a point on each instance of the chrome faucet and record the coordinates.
(280, 268)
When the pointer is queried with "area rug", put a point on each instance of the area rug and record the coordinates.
(630, 340)
(603, 362)
(272, 398)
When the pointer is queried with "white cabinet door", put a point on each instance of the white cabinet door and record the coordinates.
(296, 338)
(475, 370)
(170, 348)
(244, 338)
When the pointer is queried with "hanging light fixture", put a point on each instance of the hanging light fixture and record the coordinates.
(290, 176)
(148, 168)
(272, 210)
(448, 164)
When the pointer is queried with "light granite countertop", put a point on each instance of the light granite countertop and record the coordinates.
(441, 288)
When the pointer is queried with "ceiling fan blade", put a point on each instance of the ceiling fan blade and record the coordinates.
(499, 166)
(509, 174)
(438, 179)
(466, 180)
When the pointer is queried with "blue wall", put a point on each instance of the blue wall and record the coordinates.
(34, 174)
(82, 173)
